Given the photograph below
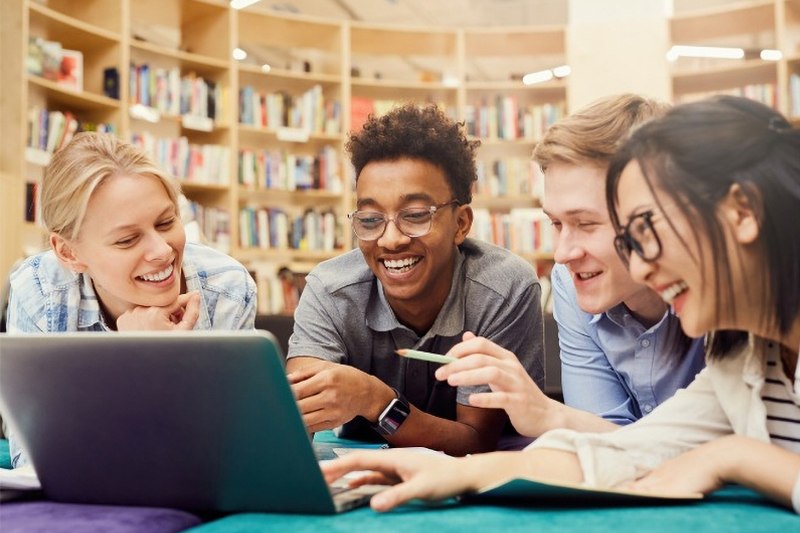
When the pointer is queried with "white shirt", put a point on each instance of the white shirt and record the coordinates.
(724, 399)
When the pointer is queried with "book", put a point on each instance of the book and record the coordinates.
(111, 82)
(534, 491)
(70, 73)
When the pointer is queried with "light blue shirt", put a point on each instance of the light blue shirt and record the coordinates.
(48, 298)
(611, 365)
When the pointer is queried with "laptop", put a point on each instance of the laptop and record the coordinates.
(202, 421)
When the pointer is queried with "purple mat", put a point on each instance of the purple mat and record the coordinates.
(51, 517)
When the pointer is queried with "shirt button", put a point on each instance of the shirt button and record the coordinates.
(645, 343)
(648, 408)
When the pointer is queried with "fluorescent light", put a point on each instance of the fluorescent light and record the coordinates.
(716, 52)
(450, 80)
(563, 71)
(241, 4)
(265, 68)
(537, 77)
(239, 54)
(771, 55)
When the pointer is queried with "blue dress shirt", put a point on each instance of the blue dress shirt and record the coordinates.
(611, 365)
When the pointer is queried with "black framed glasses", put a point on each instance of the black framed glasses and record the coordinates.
(410, 221)
(639, 236)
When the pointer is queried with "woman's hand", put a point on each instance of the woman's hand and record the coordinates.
(483, 362)
(182, 314)
(416, 475)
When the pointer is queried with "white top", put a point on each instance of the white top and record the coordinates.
(725, 398)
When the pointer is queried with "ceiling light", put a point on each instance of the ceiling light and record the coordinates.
(265, 68)
(239, 54)
(771, 55)
(563, 71)
(537, 77)
(241, 4)
(716, 52)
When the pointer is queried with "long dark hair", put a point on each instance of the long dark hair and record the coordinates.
(696, 152)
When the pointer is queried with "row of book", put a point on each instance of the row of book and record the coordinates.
(283, 170)
(502, 117)
(766, 93)
(309, 111)
(274, 228)
(172, 94)
(512, 176)
(278, 286)
(209, 225)
(794, 95)
(521, 230)
(50, 60)
(49, 130)
(207, 164)
(361, 108)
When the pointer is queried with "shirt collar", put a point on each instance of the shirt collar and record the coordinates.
(89, 306)
(450, 320)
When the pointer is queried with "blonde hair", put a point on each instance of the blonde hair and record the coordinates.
(80, 167)
(594, 133)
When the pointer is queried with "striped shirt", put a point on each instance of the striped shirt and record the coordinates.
(783, 405)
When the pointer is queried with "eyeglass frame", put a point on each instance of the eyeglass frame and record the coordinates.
(432, 209)
(625, 244)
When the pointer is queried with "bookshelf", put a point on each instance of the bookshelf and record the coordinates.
(753, 26)
(261, 138)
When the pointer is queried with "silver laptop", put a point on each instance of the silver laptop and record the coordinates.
(203, 421)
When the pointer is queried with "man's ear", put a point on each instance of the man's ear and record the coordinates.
(464, 217)
(65, 253)
(738, 209)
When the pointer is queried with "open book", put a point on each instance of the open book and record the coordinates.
(533, 491)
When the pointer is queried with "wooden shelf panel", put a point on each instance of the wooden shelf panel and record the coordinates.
(251, 75)
(70, 31)
(186, 60)
(254, 137)
(504, 203)
(744, 18)
(283, 255)
(735, 75)
(278, 196)
(287, 30)
(502, 42)
(389, 39)
(82, 100)
(536, 256)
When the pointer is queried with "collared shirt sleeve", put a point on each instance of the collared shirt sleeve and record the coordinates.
(315, 333)
(588, 380)
(520, 329)
(796, 495)
(689, 419)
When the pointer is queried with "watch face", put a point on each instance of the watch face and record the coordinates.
(393, 417)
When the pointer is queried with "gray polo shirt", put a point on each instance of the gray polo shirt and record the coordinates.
(343, 317)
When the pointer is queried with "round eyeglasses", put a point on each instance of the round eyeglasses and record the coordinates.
(638, 236)
(410, 221)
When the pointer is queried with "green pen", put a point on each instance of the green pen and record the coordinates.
(426, 356)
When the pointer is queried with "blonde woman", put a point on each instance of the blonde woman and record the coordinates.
(119, 258)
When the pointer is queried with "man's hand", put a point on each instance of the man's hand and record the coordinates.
(330, 394)
(483, 362)
(180, 315)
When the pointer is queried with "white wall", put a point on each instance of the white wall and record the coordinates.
(616, 46)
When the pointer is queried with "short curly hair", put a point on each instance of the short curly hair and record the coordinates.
(423, 133)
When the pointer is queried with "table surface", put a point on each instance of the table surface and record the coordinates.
(731, 509)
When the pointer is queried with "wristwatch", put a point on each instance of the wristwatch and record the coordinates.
(394, 415)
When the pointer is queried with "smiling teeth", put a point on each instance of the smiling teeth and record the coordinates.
(401, 264)
(587, 275)
(159, 276)
(672, 292)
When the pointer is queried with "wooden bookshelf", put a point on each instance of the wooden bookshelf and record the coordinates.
(287, 55)
(751, 25)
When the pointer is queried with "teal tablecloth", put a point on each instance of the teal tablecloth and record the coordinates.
(5, 455)
(732, 509)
